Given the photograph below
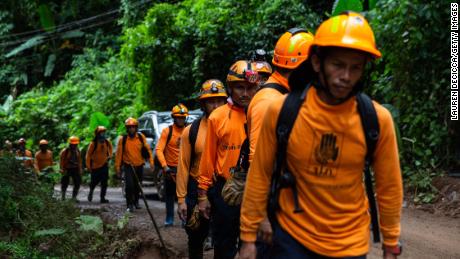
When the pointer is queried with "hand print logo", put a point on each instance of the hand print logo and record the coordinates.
(326, 153)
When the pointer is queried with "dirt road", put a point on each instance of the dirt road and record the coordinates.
(424, 235)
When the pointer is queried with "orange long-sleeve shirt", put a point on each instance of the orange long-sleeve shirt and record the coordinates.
(258, 107)
(66, 159)
(224, 138)
(43, 159)
(133, 152)
(97, 158)
(183, 169)
(326, 153)
(168, 155)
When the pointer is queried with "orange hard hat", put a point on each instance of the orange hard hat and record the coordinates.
(262, 67)
(212, 88)
(292, 48)
(131, 122)
(99, 129)
(242, 71)
(179, 110)
(43, 142)
(348, 30)
(21, 141)
(74, 140)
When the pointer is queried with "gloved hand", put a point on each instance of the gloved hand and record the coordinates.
(194, 221)
(233, 189)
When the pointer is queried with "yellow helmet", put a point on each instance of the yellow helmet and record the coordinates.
(131, 122)
(212, 88)
(262, 67)
(243, 71)
(179, 110)
(348, 30)
(74, 140)
(292, 48)
(99, 129)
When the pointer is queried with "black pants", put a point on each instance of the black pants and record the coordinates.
(76, 177)
(196, 237)
(285, 246)
(170, 195)
(100, 175)
(225, 223)
(132, 189)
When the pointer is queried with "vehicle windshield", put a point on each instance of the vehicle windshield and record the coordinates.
(164, 120)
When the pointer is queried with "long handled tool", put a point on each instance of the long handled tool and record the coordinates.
(163, 247)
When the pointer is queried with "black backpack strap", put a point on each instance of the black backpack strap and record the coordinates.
(123, 144)
(370, 125)
(193, 134)
(286, 118)
(277, 87)
(169, 134)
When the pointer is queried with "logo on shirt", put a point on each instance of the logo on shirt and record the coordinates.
(326, 153)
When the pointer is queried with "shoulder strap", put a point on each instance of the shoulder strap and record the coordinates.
(169, 134)
(277, 87)
(286, 119)
(123, 144)
(371, 129)
(193, 134)
(95, 146)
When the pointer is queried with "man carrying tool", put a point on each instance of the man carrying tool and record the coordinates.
(311, 152)
(132, 152)
(44, 157)
(167, 152)
(212, 96)
(290, 51)
(97, 158)
(71, 166)
(224, 137)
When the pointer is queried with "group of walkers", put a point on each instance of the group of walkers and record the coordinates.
(280, 167)
(279, 164)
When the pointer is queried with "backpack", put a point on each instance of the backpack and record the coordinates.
(193, 134)
(144, 151)
(156, 161)
(282, 178)
(95, 147)
(275, 86)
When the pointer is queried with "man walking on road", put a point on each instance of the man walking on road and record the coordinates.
(167, 152)
(44, 157)
(212, 96)
(97, 158)
(71, 166)
(310, 170)
(225, 134)
(132, 152)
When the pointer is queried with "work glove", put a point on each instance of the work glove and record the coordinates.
(233, 189)
(194, 221)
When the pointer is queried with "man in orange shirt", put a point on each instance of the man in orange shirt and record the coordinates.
(132, 152)
(71, 166)
(24, 154)
(212, 96)
(325, 213)
(167, 152)
(290, 51)
(44, 157)
(224, 137)
(97, 157)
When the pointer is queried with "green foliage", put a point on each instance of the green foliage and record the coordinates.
(178, 46)
(91, 223)
(36, 225)
(412, 76)
(346, 5)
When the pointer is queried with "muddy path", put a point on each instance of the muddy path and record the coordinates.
(424, 234)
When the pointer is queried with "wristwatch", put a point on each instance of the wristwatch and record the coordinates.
(394, 250)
